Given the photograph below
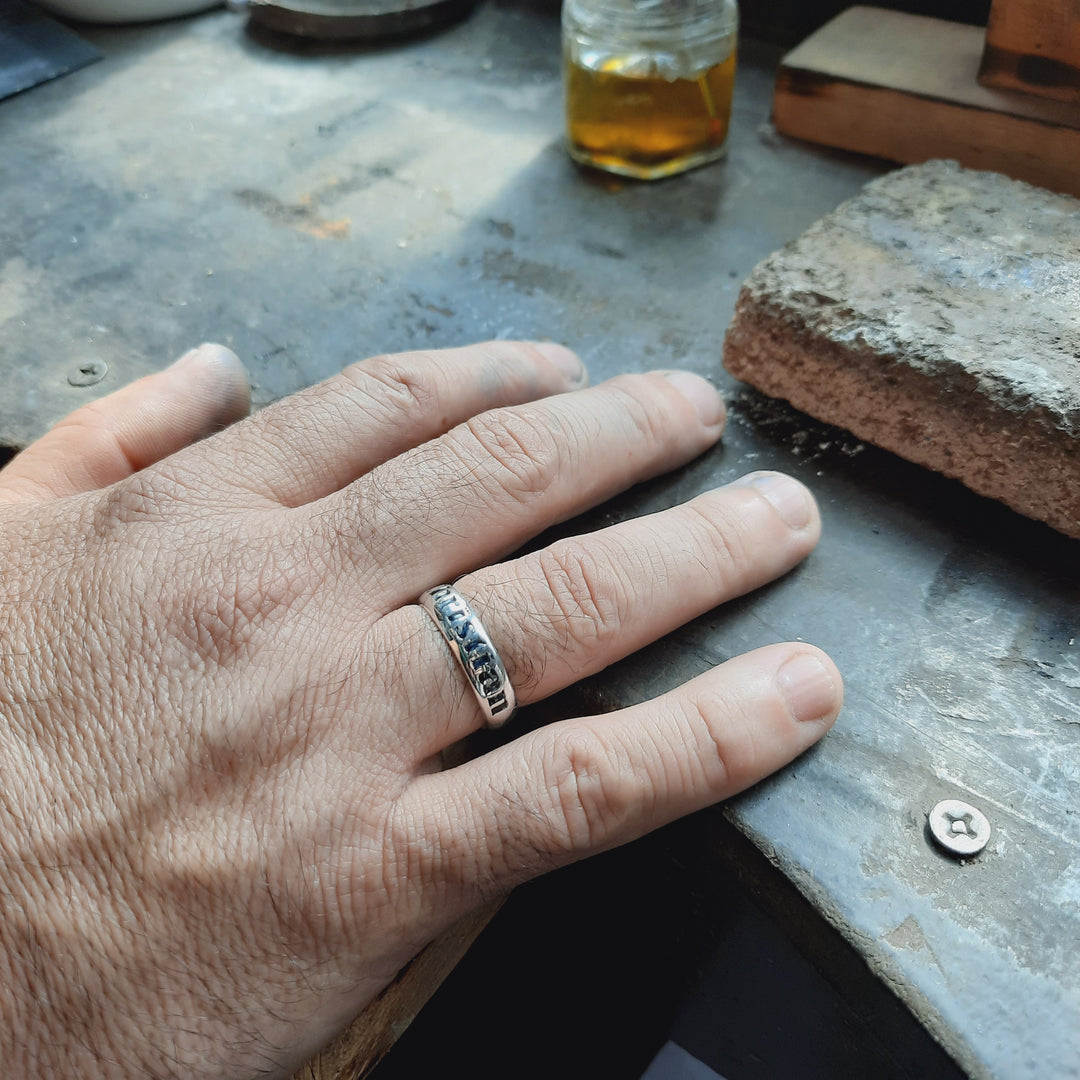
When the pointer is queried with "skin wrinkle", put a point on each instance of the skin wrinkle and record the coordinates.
(594, 793)
(527, 839)
(404, 393)
(129, 455)
(573, 578)
(335, 565)
(517, 854)
(349, 536)
(100, 442)
(696, 717)
(257, 588)
(457, 862)
(301, 451)
(716, 528)
(410, 702)
(524, 456)
(736, 741)
(648, 427)
(276, 464)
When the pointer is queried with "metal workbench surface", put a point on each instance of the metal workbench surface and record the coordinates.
(309, 206)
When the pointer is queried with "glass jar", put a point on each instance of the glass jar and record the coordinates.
(648, 82)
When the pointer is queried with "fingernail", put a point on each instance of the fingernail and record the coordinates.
(701, 394)
(218, 378)
(566, 360)
(808, 687)
(792, 501)
(210, 355)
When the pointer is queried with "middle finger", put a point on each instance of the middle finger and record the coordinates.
(484, 488)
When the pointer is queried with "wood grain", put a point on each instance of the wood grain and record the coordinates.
(360, 1047)
(904, 87)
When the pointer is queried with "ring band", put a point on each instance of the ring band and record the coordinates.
(478, 657)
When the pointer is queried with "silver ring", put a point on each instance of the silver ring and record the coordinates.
(478, 657)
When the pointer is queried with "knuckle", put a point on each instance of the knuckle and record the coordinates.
(249, 594)
(518, 452)
(721, 766)
(584, 593)
(135, 500)
(273, 428)
(592, 793)
(167, 492)
(395, 384)
(641, 404)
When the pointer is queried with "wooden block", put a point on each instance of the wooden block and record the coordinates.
(904, 87)
(936, 314)
(371, 1035)
(1034, 45)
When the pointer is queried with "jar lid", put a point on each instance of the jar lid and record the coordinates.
(646, 15)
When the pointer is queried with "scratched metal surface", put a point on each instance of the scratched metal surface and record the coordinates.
(311, 208)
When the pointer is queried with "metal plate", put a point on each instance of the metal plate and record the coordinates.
(357, 20)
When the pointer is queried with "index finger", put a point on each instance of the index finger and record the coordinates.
(320, 439)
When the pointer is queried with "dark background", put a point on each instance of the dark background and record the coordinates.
(689, 936)
(789, 21)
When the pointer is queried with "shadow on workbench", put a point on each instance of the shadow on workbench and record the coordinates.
(686, 936)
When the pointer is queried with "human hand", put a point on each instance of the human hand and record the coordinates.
(223, 825)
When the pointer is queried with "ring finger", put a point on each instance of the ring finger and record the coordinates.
(571, 609)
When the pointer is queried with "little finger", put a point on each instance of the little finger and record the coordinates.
(582, 786)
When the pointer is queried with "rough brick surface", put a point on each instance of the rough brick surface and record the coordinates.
(936, 314)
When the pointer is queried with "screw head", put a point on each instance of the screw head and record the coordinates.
(958, 827)
(88, 373)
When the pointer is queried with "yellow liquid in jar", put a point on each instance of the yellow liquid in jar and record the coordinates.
(645, 125)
